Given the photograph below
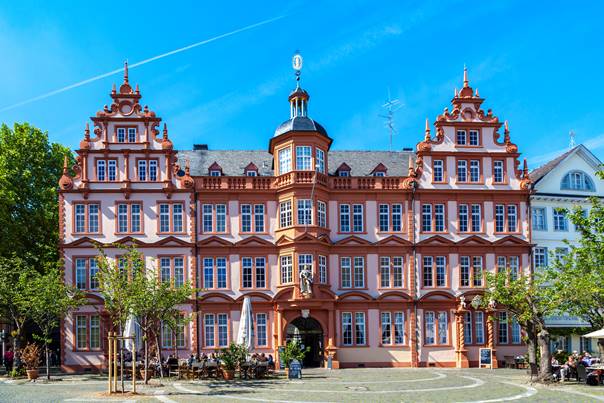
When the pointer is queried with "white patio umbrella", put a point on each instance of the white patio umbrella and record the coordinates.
(245, 335)
(130, 331)
(598, 334)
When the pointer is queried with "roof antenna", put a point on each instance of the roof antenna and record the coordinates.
(571, 143)
(391, 106)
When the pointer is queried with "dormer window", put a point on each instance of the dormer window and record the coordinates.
(379, 173)
(126, 134)
(215, 172)
(577, 180)
(343, 170)
(215, 169)
(379, 170)
(343, 173)
(251, 173)
(250, 170)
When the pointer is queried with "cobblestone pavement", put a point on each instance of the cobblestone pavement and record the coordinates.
(318, 385)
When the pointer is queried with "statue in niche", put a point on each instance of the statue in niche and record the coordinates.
(306, 280)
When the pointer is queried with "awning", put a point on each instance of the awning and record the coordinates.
(598, 334)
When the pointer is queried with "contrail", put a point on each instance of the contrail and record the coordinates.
(149, 60)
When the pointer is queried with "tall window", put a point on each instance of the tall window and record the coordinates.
(514, 267)
(214, 272)
(560, 220)
(344, 218)
(391, 272)
(261, 333)
(353, 329)
(474, 138)
(171, 217)
(498, 172)
(390, 217)
(253, 272)
(209, 324)
(213, 218)
(470, 220)
(320, 161)
(252, 217)
(577, 180)
(86, 270)
(427, 217)
(95, 332)
(462, 171)
(434, 271)
(479, 326)
(438, 171)
(461, 137)
(499, 218)
(540, 255)
(359, 328)
(356, 218)
(285, 160)
(436, 328)
(502, 334)
(433, 218)
(285, 214)
(172, 268)
(539, 219)
(132, 134)
(321, 214)
(515, 331)
(304, 208)
(126, 134)
(142, 170)
(512, 218)
(470, 271)
(286, 269)
(305, 261)
(147, 170)
(322, 269)
(303, 158)
(476, 217)
(81, 332)
(352, 272)
(467, 325)
(106, 170)
(129, 217)
(86, 218)
(347, 338)
(474, 171)
(216, 329)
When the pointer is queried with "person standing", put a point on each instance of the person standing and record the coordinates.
(9, 357)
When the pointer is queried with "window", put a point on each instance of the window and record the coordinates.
(384, 217)
(476, 225)
(462, 171)
(106, 170)
(322, 214)
(471, 221)
(391, 272)
(285, 160)
(506, 218)
(499, 218)
(474, 171)
(304, 208)
(86, 270)
(390, 217)
(214, 272)
(251, 172)
(438, 171)
(433, 218)
(344, 173)
(577, 180)
(286, 269)
(303, 158)
(320, 162)
(215, 172)
(461, 137)
(474, 138)
(560, 253)
(95, 332)
(172, 268)
(132, 135)
(147, 170)
(560, 220)
(470, 271)
(322, 269)
(213, 218)
(397, 217)
(463, 218)
(164, 269)
(86, 218)
(352, 272)
(129, 218)
(353, 331)
(252, 218)
(379, 173)
(436, 328)
(477, 271)
(498, 172)
(467, 325)
(171, 217)
(253, 272)
(434, 271)
(512, 218)
(502, 333)
(305, 261)
(392, 333)
(344, 218)
(261, 326)
(216, 329)
(285, 214)
(515, 331)
(539, 219)
(514, 267)
(540, 255)
(121, 134)
(357, 218)
(81, 332)
(479, 327)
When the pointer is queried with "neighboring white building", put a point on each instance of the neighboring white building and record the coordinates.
(563, 183)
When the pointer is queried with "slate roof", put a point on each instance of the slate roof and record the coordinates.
(300, 124)
(233, 162)
(538, 173)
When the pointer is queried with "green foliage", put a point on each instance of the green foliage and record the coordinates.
(293, 351)
(16, 275)
(577, 279)
(30, 168)
(233, 356)
(17, 372)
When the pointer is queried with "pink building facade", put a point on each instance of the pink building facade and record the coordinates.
(369, 258)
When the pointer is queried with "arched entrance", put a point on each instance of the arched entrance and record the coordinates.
(309, 333)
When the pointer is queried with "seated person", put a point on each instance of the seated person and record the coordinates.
(262, 358)
(586, 359)
(569, 368)
(191, 360)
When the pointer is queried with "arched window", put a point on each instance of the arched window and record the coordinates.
(577, 180)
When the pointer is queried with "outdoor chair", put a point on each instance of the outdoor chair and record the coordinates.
(581, 373)
(510, 362)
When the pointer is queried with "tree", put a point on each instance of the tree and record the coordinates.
(30, 168)
(50, 300)
(529, 299)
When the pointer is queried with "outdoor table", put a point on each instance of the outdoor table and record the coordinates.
(599, 369)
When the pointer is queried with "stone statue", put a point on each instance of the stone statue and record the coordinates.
(306, 280)
(462, 302)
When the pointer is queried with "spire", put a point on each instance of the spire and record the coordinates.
(113, 89)
(477, 96)
(428, 136)
(455, 92)
(87, 132)
(465, 77)
(137, 90)
(525, 171)
(165, 131)
(126, 71)
(298, 99)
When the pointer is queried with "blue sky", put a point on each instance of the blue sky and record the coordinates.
(540, 67)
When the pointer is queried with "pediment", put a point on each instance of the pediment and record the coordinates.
(474, 240)
(393, 240)
(84, 242)
(353, 240)
(284, 240)
(354, 296)
(511, 241)
(343, 167)
(171, 241)
(216, 297)
(214, 241)
(436, 240)
(253, 241)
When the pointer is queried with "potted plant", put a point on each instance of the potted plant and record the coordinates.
(30, 355)
(231, 358)
(292, 351)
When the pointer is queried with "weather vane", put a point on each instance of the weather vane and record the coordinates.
(297, 65)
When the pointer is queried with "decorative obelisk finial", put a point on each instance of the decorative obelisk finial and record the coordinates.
(465, 77)
(428, 136)
(126, 71)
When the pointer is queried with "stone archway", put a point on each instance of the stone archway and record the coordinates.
(309, 333)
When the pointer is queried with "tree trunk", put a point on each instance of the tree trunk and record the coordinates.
(146, 358)
(161, 370)
(531, 344)
(47, 361)
(545, 370)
